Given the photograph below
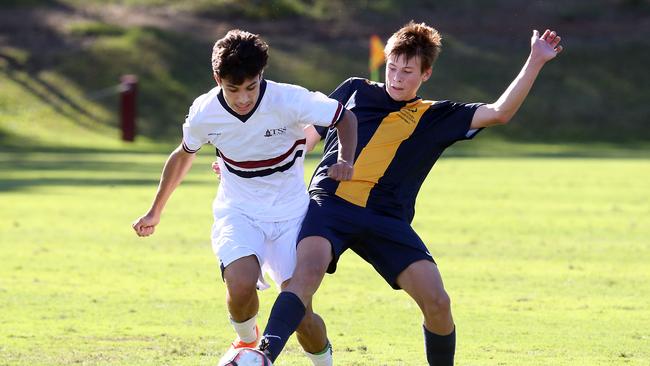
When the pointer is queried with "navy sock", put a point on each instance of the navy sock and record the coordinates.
(440, 349)
(286, 315)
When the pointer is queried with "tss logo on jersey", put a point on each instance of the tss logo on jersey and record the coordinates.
(275, 131)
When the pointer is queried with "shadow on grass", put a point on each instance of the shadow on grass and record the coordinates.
(8, 145)
(50, 167)
(42, 40)
(527, 150)
(23, 184)
(55, 98)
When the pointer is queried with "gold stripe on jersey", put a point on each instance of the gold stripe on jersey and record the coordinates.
(377, 155)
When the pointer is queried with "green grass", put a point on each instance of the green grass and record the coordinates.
(545, 260)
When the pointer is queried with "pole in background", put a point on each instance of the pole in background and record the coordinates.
(128, 94)
(376, 57)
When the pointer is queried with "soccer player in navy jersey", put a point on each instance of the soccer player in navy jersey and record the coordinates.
(400, 137)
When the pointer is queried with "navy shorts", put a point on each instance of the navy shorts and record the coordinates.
(387, 243)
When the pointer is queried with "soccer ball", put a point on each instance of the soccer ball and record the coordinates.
(244, 357)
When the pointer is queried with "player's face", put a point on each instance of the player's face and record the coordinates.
(404, 77)
(241, 98)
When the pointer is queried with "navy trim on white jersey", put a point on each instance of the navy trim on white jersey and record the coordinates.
(251, 164)
(338, 116)
(188, 150)
(263, 172)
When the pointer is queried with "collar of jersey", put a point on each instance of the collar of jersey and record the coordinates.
(399, 102)
(246, 116)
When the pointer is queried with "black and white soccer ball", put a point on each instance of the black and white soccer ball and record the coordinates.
(244, 357)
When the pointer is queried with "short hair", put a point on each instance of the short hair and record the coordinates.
(239, 55)
(413, 40)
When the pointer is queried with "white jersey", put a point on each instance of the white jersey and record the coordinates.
(261, 153)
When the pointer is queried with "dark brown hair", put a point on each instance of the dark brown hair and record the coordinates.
(239, 55)
(413, 40)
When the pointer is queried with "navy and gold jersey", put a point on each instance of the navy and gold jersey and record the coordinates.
(398, 144)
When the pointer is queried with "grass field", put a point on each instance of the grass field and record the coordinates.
(546, 260)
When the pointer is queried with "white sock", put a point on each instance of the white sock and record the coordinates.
(246, 330)
(322, 359)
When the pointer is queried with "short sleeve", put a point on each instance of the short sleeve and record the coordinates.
(322, 131)
(317, 109)
(456, 121)
(193, 135)
(469, 111)
(343, 92)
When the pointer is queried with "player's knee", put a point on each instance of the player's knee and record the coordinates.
(311, 275)
(309, 270)
(241, 290)
(437, 305)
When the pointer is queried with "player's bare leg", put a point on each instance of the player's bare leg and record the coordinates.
(314, 254)
(312, 336)
(422, 281)
(241, 297)
(294, 303)
(311, 333)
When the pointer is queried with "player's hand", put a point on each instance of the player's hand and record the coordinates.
(342, 170)
(146, 225)
(546, 47)
(216, 169)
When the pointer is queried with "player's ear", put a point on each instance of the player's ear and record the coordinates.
(427, 74)
(216, 78)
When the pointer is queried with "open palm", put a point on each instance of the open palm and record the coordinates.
(546, 47)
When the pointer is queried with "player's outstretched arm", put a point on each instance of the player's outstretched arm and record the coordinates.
(176, 167)
(542, 49)
(346, 130)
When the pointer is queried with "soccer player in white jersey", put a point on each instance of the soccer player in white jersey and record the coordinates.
(256, 126)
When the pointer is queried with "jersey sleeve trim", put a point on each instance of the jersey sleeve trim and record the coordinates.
(473, 132)
(470, 133)
(188, 150)
(338, 116)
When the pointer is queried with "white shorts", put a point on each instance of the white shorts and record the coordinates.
(235, 235)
